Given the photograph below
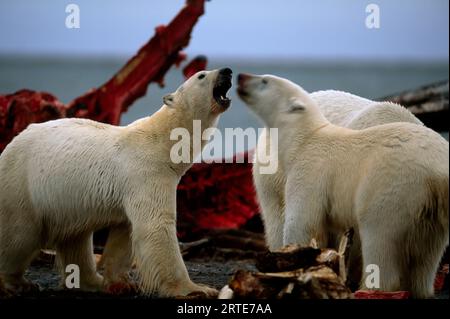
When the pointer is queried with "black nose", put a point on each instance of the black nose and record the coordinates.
(225, 71)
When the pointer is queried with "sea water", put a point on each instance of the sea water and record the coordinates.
(68, 78)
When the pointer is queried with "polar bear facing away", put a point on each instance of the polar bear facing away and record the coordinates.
(64, 179)
(389, 182)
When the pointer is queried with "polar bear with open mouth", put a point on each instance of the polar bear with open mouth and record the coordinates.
(64, 179)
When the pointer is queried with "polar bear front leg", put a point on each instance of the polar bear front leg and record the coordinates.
(270, 190)
(116, 260)
(304, 217)
(155, 246)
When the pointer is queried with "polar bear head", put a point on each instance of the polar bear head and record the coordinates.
(277, 101)
(203, 96)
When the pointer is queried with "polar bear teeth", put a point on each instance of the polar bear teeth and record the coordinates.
(220, 95)
(221, 87)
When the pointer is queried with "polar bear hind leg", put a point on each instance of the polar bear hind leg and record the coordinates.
(424, 263)
(428, 241)
(406, 237)
(17, 251)
(117, 259)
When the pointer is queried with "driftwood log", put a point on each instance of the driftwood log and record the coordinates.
(429, 103)
(295, 272)
(225, 244)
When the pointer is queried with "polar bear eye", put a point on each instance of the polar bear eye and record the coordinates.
(201, 76)
(264, 81)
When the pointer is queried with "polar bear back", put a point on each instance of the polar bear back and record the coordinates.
(412, 144)
(387, 159)
(355, 112)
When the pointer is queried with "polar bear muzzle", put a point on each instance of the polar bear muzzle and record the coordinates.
(221, 87)
(242, 88)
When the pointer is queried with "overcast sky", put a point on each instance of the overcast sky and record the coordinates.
(410, 29)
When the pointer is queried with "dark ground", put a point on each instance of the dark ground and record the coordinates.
(211, 259)
(213, 273)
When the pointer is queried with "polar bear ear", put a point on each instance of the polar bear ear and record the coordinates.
(296, 107)
(169, 99)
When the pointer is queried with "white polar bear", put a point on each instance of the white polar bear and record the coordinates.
(64, 179)
(388, 182)
(340, 108)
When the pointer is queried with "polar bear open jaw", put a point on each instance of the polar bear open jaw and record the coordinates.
(221, 87)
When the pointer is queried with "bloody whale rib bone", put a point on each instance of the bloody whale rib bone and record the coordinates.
(23, 107)
(197, 64)
(106, 103)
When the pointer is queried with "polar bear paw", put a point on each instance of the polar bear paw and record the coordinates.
(192, 291)
(203, 291)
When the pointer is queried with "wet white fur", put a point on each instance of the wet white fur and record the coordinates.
(64, 179)
(340, 108)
